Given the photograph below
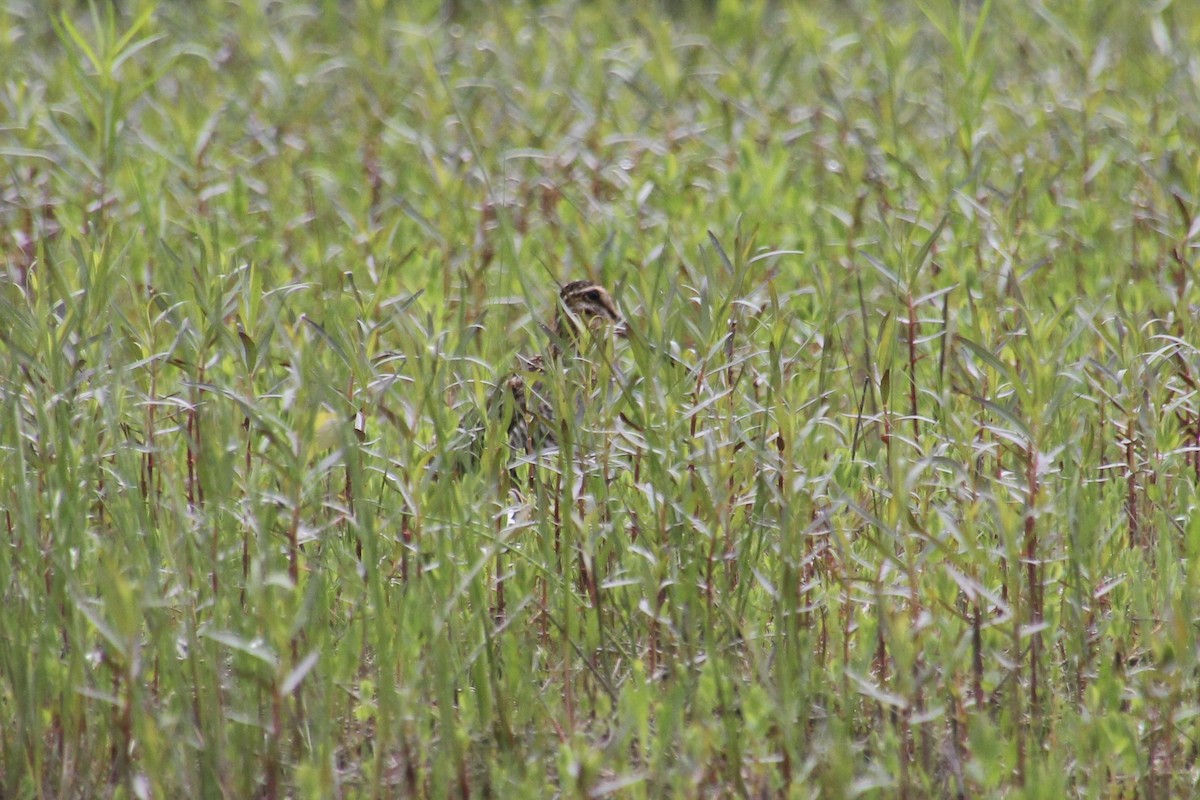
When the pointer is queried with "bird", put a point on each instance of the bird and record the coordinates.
(520, 401)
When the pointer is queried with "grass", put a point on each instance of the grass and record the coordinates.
(914, 517)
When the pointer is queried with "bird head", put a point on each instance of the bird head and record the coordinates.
(585, 305)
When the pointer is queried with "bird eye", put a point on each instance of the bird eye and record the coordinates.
(593, 295)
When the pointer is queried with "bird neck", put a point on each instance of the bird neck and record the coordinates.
(564, 335)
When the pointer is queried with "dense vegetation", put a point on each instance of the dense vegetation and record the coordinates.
(891, 492)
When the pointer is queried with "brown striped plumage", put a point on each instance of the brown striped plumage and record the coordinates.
(520, 399)
(584, 306)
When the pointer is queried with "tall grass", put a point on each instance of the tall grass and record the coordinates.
(890, 493)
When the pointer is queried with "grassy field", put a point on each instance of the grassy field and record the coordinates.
(891, 493)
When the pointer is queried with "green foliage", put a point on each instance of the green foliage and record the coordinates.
(891, 491)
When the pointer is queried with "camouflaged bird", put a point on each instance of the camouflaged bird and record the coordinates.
(520, 400)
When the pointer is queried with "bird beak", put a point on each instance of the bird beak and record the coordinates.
(622, 329)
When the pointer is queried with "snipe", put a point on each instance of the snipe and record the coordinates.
(584, 309)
